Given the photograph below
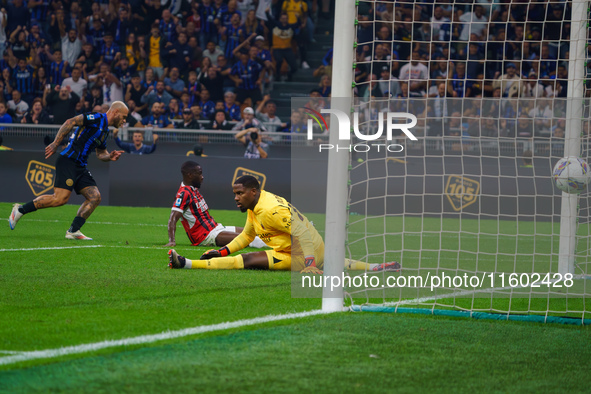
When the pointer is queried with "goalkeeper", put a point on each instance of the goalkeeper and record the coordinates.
(295, 243)
(275, 221)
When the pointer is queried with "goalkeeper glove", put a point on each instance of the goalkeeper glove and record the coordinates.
(310, 261)
(311, 270)
(210, 254)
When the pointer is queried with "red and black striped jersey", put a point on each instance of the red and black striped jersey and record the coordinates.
(196, 218)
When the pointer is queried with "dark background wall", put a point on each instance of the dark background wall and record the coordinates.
(411, 183)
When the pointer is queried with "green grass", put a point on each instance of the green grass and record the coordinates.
(62, 297)
(338, 353)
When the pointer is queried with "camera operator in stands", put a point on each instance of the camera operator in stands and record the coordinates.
(252, 139)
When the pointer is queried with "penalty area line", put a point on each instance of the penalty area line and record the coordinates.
(144, 339)
(51, 248)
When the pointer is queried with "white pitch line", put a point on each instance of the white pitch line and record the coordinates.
(51, 248)
(89, 347)
(105, 223)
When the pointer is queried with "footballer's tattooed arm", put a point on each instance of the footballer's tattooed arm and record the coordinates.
(66, 128)
(93, 199)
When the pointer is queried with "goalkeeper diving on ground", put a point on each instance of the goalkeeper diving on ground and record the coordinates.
(295, 243)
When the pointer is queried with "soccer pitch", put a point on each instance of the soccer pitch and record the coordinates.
(56, 294)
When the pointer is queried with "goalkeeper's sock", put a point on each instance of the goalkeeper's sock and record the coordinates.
(220, 263)
(355, 265)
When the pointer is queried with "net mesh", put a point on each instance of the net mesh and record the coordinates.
(474, 196)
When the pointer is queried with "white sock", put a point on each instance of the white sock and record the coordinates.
(257, 243)
(188, 264)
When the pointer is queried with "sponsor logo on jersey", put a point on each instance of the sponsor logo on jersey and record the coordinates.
(40, 177)
(461, 191)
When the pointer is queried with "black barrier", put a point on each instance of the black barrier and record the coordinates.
(146, 180)
(489, 187)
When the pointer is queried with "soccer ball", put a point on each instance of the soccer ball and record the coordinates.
(571, 175)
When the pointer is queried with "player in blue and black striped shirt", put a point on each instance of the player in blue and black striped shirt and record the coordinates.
(90, 132)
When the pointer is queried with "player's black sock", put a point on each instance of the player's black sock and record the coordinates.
(77, 223)
(28, 207)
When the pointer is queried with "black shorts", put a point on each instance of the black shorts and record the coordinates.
(71, 175)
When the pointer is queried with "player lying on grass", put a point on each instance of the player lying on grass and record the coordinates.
(91, 131)
(277, 223)
(191, 208)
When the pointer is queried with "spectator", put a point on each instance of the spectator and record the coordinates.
(212, 52)
(179, 55)
(214, 82)
(157, 117)
(155, 50)
(77, 84)
(248, 121)
(224, 69)
(207, 106)
(252, 139)
(134, 53)
(71, 45)
(417, 74)
(158, 95)
(324, 87)
(266, 113)
(167, 26)
(193, 88)
(174, 85)
(173, 111)
(297, 14)
(137, 117)
(37, 115)
(438, 111)
(17, 105)
(134, 92)
(4, 117)
(474, 23)
(137, 147)
(110, 52)
(18, 43)
(149, 78)
(230, 106)
(121, 27)
(39, 82)
(112, 88)
(189, 121)
(209, 31)
(61, 102)
(123, 71)
(232, 35)
(95, 97)
(283, 34)
(23, 79)
(248, 75)
(220, 121)
(509, 82)
(90, 58)
(197, 115)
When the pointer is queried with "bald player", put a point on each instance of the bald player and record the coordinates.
(89, 132)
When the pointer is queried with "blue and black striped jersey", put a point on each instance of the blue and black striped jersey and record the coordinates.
(88, 137)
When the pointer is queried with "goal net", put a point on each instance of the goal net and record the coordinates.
(469, 209)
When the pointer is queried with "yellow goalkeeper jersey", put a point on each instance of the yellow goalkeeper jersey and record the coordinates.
(277, 222)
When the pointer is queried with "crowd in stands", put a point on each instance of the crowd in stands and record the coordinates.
(186, 64)
(471, 68)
